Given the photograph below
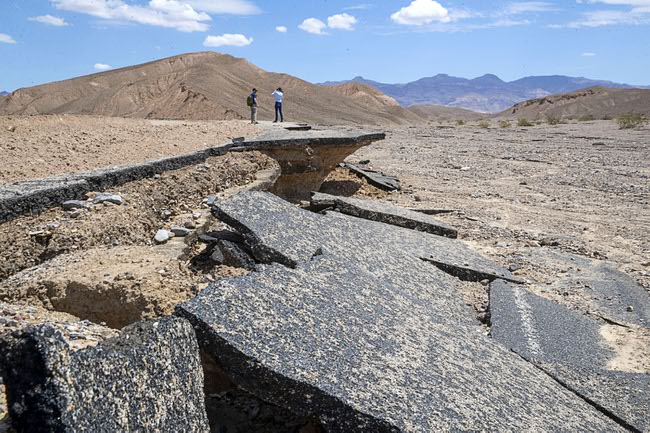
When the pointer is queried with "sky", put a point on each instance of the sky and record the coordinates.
(392, 41)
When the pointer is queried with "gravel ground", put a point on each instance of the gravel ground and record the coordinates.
(582, 187)
(43, 146)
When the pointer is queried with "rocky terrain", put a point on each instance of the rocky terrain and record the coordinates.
(198, 86)
(359, 310)
(486, 94)
(439, 113)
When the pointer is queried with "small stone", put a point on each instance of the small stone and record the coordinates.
(364, 161)
(630, 308)
(502, 245)
(108, 198)
(514, 268)
(73, 204)
(197, 215)
(12, 128)
(189, 225)
(75, 213)
(238, 140)
(417, 197)
(217, 256)
(464, 169)
(162, 236)
(485, 282)
(181, 232)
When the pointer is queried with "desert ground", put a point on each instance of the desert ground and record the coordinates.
(581, 188)
(43, 146)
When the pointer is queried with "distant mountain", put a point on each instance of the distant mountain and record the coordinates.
(487, 94)
(4, 93)
(200, 86)
(599, 102)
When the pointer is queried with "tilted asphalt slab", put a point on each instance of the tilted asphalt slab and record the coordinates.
(349, 325)
(149, 378)
(608, 291)
(568, 346)
(330, 340)
(280, 232)
(382, 181)
(385, 213)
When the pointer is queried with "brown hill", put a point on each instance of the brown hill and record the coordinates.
(198, 86)
(599, 102)
(440, 113)
(364, 93)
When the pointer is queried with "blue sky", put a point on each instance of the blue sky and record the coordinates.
(385, 40)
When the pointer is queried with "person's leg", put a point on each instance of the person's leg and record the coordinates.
(254, 115)
(281, 115)
(277, 108)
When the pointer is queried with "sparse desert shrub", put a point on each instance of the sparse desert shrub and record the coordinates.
(460, 122)
(630, 120)
(522, 121)
(484, 124)
(553, 120)
(504, 124)
(586, 118)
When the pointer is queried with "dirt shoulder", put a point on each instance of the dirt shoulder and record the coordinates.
(43, 146)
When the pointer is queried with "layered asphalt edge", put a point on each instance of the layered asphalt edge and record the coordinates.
(36, 195)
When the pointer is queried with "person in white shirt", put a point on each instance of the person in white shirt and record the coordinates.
(279, 95)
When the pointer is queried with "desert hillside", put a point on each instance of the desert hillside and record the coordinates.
(441, 113)
(198, 86)
(364, 93)
(599, 102)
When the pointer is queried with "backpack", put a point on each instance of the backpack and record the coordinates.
(250, 100)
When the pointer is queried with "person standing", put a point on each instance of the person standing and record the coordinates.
(279, 95)
(251, 101)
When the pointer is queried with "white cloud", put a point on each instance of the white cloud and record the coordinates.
(102, 66)
(527, 7)
(6, 39)
(227, 39)
(588, 54)
(637, 13)
(421, 12)
(313, 26)
(230, 7)
(610, 18)
(164, 13)
(49, 19)
(360, 7)
(341, 21)
(281, 29)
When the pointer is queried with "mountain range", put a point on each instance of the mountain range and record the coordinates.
(485, 94)
(205, 86)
